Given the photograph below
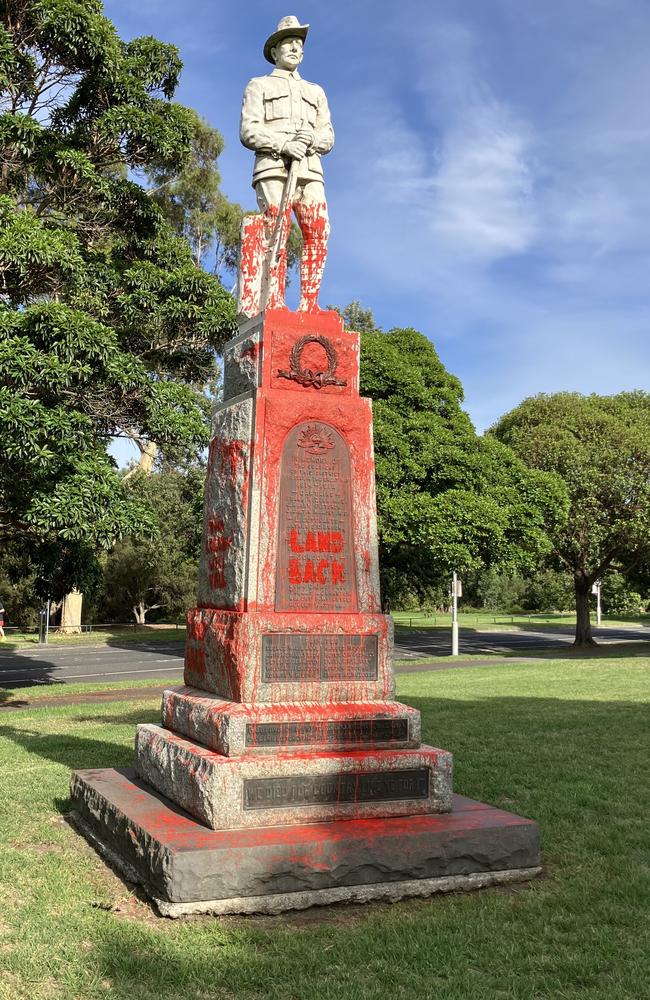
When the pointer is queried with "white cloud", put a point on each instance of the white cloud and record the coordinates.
(483, 205)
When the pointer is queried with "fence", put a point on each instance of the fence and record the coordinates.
(468, 619)
(86, 627)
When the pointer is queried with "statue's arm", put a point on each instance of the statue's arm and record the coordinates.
(323, 132)
(252, 131)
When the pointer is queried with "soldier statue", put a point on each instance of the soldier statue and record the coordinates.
(286, 121)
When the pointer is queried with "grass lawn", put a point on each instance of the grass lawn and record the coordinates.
(497, 619)
(143, 633)
(565, 742)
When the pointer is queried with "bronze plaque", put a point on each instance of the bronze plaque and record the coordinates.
(353, 731)
(315, 558)
(309, 658)
(326, 789)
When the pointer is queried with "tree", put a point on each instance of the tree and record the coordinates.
(192, 201)
(107, 328)
(447, 499)
(600, 446)
(144, 574)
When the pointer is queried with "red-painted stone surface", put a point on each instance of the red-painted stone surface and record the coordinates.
(289, 656)
(180, 859)
(295, 784)
(289, 618)
(235, 728)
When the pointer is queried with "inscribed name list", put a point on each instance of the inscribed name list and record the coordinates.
(315, 563)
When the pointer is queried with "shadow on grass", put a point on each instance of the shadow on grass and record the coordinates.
(127, 719)
(71, 751)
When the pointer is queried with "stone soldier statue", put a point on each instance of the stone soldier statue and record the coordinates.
(286, 121)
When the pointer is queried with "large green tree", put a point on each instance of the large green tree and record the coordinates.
(158, 572)
(107, 327)
(447, 499)
(600, 446)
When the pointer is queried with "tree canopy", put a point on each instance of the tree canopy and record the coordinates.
(107, 327)
(447, 499)
(600, 446)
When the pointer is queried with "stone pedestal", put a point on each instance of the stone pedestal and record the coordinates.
(287, 726)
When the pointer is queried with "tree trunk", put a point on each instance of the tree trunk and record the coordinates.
(71, 613)
(140, 613)
(583, 620)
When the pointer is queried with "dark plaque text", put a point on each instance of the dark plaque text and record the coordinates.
(317, 789)
(361, 731)
(316, 658)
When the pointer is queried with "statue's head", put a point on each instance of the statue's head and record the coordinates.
(284, 47)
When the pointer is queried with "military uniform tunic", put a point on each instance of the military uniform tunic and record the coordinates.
(277, 106)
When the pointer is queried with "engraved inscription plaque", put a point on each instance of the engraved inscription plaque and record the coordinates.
(315, 559)
(361, 731)
(316, 789)
(315, 658)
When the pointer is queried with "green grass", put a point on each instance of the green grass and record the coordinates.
(100, 636)
(495, 619)
(564, 742)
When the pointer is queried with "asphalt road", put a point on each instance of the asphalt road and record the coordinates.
(412, 643)
(56, 664)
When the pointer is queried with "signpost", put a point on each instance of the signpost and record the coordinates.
(456, 592)
(596, 590)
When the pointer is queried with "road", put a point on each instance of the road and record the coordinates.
(411, 643)
(67, 664)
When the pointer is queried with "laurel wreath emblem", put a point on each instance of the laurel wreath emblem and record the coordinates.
(305, 376)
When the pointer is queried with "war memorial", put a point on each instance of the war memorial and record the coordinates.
(284, 774)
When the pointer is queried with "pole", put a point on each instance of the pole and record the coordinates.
(47, 620)
(596, 591)
(454, 615)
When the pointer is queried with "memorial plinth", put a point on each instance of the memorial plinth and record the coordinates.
(284, 773)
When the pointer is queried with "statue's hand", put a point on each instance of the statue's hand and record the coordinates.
(295, 149)
(306, 135)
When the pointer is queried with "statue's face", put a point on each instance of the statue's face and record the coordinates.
(287, 54)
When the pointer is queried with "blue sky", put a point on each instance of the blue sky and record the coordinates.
(489, 182)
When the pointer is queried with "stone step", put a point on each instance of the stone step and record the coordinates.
(233, 729)
(186, 868)
(249, 791)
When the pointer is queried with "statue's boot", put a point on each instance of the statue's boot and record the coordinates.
(314, 224)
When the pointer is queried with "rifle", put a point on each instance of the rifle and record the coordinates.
(279, 235)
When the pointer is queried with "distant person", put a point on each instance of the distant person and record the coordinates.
(2, 621)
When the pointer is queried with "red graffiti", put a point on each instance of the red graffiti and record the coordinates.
(217, 543)
(311, 571)
(225, 458)
(320, 541)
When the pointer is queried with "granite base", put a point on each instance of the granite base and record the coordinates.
(185, 867)
(228, 793)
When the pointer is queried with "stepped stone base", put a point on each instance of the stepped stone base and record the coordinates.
(235, 792)
(186, 868)
(233, 729)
